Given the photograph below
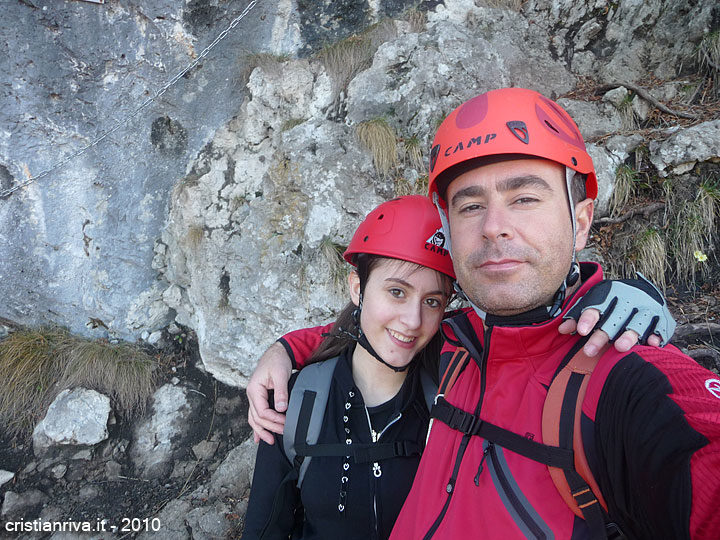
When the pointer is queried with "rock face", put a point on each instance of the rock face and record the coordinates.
(76, 417)
(77, 244)
(217, 206)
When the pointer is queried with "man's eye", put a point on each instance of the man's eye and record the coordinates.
(397, 293)
(471, 208)
(525, 200)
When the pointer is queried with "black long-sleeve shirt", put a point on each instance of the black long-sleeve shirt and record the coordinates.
(279, 510)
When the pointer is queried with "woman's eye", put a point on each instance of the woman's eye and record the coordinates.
(397, 293)
(433, 302)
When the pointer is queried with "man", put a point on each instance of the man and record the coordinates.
(510, 173)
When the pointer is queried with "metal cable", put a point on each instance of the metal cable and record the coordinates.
(132, 115)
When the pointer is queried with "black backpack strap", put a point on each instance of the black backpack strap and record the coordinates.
(306, 411)
(362, 452)
(429, 388)
(469, 424)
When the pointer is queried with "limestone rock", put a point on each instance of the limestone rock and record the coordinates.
(16, 505)
(76, 417)
(687, 146)
(234, 475)
(157, 437)
(6, 476)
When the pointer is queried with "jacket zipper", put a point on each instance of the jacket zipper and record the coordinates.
(450, 488)
(502, 477)
(377, 471)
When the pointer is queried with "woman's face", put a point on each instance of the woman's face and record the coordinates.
(403, 305)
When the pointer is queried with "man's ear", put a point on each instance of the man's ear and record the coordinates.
(354, 284)
(584, 211)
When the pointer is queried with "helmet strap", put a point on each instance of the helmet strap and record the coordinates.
(362, 339)
(574, 273)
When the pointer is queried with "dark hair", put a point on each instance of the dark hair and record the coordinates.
(337, 340)
(578, 192)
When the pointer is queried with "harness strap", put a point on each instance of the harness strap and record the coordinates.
(361, 452)
(469, 424)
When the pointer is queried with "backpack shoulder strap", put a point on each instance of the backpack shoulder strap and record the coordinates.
(306, 411)
(562, 412)
(429, 388)
(455, 367)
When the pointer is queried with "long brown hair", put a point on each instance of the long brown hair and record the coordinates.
(346, 325)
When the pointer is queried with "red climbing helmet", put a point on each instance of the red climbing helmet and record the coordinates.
(507, 121)
(407, 228)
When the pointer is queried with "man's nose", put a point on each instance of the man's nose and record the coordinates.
(496, 222)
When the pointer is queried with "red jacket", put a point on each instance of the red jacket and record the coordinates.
(651, 429)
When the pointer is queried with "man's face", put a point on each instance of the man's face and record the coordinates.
(511, 233)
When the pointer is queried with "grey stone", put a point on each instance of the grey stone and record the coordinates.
(18, 504)
(595, 119)
(156, 438)
(76, 417)
(173, 522)
(59, 470)
(686, 147)
(209, 522)
(112, 470)
(234, 475)
(205, 450)
(616, 96)
(641, 108)
(6, 476)
(606, 165)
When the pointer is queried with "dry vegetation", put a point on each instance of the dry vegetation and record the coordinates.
(36, 365)
(380, 139)
(331, 253)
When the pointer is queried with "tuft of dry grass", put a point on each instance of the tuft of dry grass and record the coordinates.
(345, 59)
(36, 365)
(332, 254)
(513, 5)
(412, 151)
(649, 256)
(417, 19)
(30, 367)
(122, 371)
(708, 58)
(195, 235)
(623, 190)
(267, 61)
(693, 230)
(380, 139)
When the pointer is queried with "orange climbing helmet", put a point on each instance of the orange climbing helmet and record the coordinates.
(407, 228)
(507, 121)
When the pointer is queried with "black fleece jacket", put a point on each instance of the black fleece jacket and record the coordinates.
(279, 510)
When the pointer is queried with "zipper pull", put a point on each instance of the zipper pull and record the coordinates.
(480, 467)
(377, 471)
(374, 435)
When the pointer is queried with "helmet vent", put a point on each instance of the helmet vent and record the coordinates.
(548, 124)
(381, 216)
(366, 239)
(574, 161)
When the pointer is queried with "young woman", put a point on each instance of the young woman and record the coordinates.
(399, 290)
(376, 368)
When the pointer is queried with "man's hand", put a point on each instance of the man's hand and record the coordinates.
(624, 312)
(588, 319)
(272, 373)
